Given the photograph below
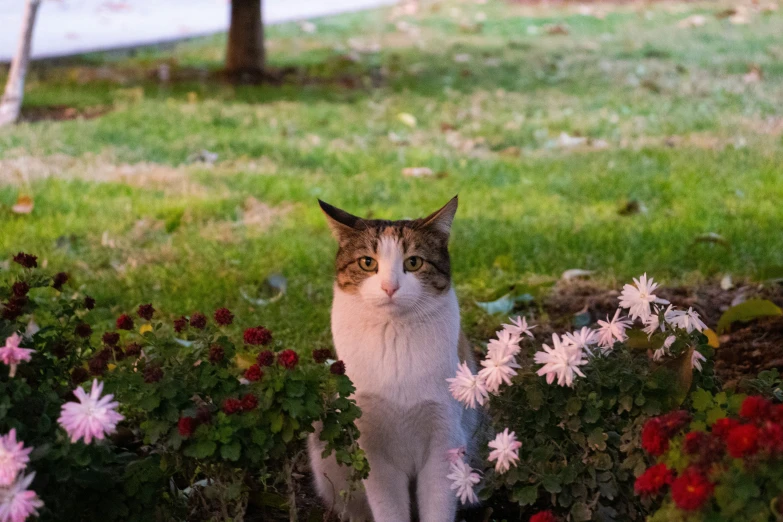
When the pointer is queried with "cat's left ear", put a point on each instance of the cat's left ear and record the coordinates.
(441, 219)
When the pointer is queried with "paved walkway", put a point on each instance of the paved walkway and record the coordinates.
(68, 27)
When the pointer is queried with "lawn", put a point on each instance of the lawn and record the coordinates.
(629, 144)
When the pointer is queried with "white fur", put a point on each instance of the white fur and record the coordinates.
(398, 351)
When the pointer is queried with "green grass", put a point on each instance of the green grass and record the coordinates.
(684, 135)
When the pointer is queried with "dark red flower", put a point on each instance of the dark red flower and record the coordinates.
(691, 490)
(185, 426)
(742, 440)
(125, 322)
(755, 408)
(265, 358)
(59, 280)
(79, 375)
(133, 350)
(60, 350)
(89, 302)
(152, 374)
(321, 355)
(118, 353)
(20, 288)
(203, 415)
(288, 359)
(216, 353)
(224, 317)
(722, 427)
(771, 438)
(97, 365)
(258, 336)
(198, 320)
(543, 516)
(180, 324)
(26, 260)
(83, 330)
(111, 338)
(674, 421)
(14, 307)
(653, 480)
(776, 413)
(146, 311)
(654, 440)
(693, 443)
(232, 406)
(337, 368)
(104, 354)
(254, 373)
(249, 402)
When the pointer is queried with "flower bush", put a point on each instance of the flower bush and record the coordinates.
(147, 421)
(569, 415)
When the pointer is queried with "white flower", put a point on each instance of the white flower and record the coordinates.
(507, 343)
(561, 361)
(658, 355)
(92, 417)
(505, 450)
(638, 297)
(663, 350)
(581, 339)
(697, 359)
(463, 479)
(651, 324)
(669, 342)
(468, 388)
(688, 321)
(519, 326)
(611, 330)
(498, 369)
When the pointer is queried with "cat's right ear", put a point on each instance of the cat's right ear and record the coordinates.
(340, 222)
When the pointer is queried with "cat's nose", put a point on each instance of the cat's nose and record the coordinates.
(389, 287)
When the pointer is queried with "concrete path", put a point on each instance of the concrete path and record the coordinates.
(68, 27)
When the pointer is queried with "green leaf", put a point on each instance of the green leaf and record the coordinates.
(580, 512)
(597, 439)
(275, 421)
(231, 451)
(201, 449)
(747, 311)
(702, 400)
(551, 483)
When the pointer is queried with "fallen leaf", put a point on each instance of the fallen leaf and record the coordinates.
(726, 283)
(692, 21)
(566, 140)
(712, 338)
(747, 311)
(712, 237)
(725, 13)
(272, 290)
(308, 27)
(740, 17)
(23, 205)
(574, 273)
(504, 305)
(203, 156)
(462, 58)
(417, 172)
(556, 29)
(753, 75)
(407, 119)
(631, 207)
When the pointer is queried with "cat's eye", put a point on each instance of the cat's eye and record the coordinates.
(413, 263)
(368, 264)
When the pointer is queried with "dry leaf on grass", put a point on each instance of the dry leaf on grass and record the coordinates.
(557, 29)
(417, 172)
(23, 205)
(753, 75)
(692, 21)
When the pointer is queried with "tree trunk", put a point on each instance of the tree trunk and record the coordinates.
(11, 102)
(245, 52)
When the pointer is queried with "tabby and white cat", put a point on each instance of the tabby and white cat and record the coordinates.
(396, 325)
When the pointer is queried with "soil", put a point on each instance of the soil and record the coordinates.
(61, 112)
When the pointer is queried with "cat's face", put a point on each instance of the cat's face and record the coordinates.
(394, 266)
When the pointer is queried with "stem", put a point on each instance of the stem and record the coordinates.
(289, 479)
(11, 102)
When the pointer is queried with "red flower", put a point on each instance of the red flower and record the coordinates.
(89, 302)
(97, 365)
(26, 260)
(145, 311)
(254, 373)
(321, 355)
(198, 320)
(180, 324)
(59, 280)
(674, 421)
(287, 359)
(691, 490)
(337, 368)
(186, 425)
(232, 405)
(132, 350)
(60, 350)
(654, 440)
(722, 427)
(111, 338)
(694, 442)
(776, 413)
(125, 322)
(79, 375)
(20, 288)
(224, 317)
(249, 402)
(771, 438)
(543, 516)
(742, 440)
(83, 330)
(755, 407)
(152, 374)
(653, 480)
(216, 353)
(258, 336)
(265, 358)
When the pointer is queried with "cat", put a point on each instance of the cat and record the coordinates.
(396, 326)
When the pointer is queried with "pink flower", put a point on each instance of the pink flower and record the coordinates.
(12, 355)
(505, 450)
(455, 454)
(17, 502)
(612, 330)
(13, 458)
(92, 417)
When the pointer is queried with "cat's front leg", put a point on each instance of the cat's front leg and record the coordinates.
(387, 491)
(435, 499)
